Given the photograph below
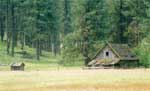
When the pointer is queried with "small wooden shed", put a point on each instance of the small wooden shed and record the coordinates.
(115, 55)
(17, 66)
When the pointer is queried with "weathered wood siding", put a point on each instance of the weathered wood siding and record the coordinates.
(20, 68)
(103, 55)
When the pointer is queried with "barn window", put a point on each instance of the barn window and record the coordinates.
(107, 54)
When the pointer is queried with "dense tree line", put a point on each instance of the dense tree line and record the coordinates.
(74, 29)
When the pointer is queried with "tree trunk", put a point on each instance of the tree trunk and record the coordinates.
(8, 25)
(2, 29)
(22, 40)
(85, 47)
(85, 52)
(41, 47)
(53, 51)
(121, 25)
(8, 41)
(37, 49)
(13, 29)
(85, 42)
(52, 44)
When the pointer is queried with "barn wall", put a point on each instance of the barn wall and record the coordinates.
(102, 55)
(18, 68)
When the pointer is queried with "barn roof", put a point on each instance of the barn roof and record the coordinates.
(17, 64)
(123, 51)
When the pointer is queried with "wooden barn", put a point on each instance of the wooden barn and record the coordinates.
(115, 55)
(17, 66)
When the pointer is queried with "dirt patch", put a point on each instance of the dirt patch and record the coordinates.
(100, 87)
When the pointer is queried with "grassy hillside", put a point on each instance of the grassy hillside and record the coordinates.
(47, 62)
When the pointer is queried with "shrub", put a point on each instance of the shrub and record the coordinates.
(143, 52)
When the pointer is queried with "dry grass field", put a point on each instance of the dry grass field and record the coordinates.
(76, 80)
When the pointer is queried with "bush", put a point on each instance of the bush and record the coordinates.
(143, 52)
(71, 53)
